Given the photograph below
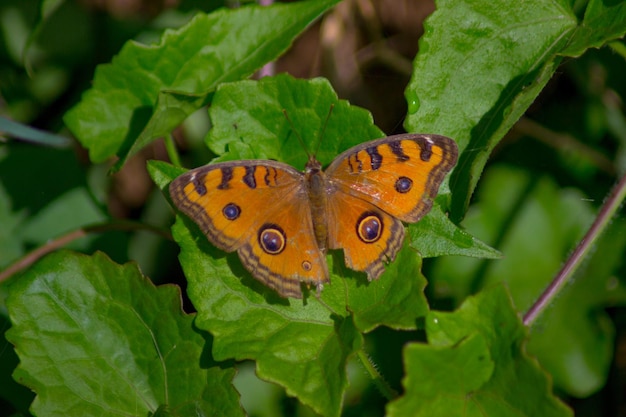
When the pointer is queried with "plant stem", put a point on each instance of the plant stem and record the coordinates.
(172, 153)
(608, 209)
(382, 385)
(33, 256)
(618, 47)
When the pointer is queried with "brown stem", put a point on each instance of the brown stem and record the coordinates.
(608, 209)
(63, 240)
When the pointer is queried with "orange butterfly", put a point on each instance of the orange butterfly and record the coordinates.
(282, 221)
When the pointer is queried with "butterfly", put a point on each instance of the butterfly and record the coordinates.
(282, 221)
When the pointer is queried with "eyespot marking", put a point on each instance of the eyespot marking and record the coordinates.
(231, 211)
(404, 185)
(272, 239)
(369, 227)
(307, 266)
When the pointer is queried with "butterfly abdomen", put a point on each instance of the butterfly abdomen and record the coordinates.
(318, 198)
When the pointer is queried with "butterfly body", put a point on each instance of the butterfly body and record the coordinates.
(282, 222)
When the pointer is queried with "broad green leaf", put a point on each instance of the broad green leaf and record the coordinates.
(95, 337)
(263, 119)
(302, 345)
(142, 93)
(536, 226)
(436, 235)
(455, 371)
(515, 43)
(475, 365)
(395, 300)
(603, 22)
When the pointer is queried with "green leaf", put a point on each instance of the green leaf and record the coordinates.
(148, 90)
(515, 43)
(301, 345)
(95, 337)
(248, 121)
(435, 235)
(395, 300)
(603, 22)
(536, 226)
(475, 365)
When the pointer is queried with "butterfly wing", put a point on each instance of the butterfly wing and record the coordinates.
(368, 236)
(375, 186)
(259, 209)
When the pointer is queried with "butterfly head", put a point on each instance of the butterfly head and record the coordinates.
(313, 166)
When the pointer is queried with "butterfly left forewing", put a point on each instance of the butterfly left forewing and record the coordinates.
(238, 204)
(220, 198)
(399, 174)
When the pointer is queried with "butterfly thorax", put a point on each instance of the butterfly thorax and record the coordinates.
(316, 187)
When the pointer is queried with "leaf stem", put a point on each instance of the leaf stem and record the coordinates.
(172, 153)
(33, 256)
(382, 385)
(608, 209)
(618, 47)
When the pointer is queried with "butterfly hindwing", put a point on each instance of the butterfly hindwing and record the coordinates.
(369, 237)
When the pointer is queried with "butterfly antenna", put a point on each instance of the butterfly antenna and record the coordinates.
(293, 128)
(319, 139)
